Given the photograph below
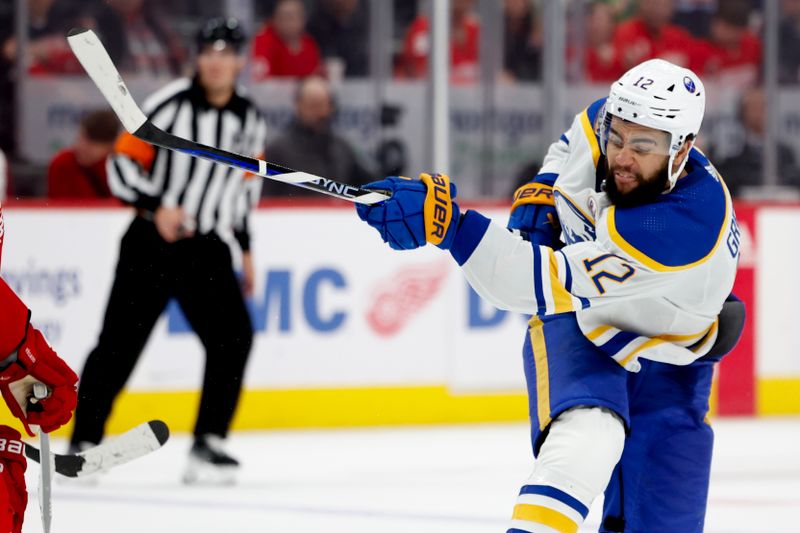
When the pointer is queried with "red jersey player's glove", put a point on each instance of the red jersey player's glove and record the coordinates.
(34, 361)
(13, 493)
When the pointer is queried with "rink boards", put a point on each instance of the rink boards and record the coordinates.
(349, 332)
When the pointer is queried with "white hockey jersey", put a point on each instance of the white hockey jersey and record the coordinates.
(645, 281)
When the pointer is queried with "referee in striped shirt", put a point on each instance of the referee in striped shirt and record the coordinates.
(189, 214)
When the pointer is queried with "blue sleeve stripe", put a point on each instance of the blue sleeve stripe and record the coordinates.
(537, 281)
(551, 492)
(568, 275)
(471, 230)
(547, 178)
(564, 138)
(585, 303)
(618, 342)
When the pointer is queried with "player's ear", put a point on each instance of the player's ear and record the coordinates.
(683, 152)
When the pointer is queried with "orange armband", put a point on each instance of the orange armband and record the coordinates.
(136, 149)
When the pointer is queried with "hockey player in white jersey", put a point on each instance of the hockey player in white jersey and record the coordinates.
(619, 353)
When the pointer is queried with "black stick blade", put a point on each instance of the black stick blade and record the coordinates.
(76, 31)
(160, 430)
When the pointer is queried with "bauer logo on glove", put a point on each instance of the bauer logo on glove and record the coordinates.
(418, 212)
(438, 207)
(533, 193)
(534, 215)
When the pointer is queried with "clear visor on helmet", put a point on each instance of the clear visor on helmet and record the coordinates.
(640, 140)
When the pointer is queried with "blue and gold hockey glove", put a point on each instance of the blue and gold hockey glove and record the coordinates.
(418, 212)
(534, 213)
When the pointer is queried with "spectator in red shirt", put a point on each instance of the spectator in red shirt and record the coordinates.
(464, 44)
(733, 54)
(600, 61)
(80, 170)
(283, 47)
(650, 35)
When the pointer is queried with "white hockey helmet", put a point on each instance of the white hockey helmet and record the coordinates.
(662, 96)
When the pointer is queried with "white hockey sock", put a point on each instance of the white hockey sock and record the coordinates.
(574, 466)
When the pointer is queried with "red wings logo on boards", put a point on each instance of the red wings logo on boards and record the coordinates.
(403, 295)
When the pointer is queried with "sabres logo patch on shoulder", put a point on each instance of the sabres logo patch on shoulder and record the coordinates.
(592, 206)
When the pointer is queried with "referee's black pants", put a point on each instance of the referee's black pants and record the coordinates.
(197, 272)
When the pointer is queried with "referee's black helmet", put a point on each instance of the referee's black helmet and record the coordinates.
(221, 30)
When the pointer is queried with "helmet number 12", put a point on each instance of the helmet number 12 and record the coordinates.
(643, 83)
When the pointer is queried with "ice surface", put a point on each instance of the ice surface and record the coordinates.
(451, 479)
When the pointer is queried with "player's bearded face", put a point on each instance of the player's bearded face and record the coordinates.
(636, 164)
(644, 191)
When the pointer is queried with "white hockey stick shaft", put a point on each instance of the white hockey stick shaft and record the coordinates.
(40, 392)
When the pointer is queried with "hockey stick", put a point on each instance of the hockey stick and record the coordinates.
(95, 60)
(132, 444)
(40, 392)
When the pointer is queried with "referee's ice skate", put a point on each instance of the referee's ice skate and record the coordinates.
(209, 463)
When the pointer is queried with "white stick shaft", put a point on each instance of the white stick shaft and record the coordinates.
(40, 392)
(46, 482)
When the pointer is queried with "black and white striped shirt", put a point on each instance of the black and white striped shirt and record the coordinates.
(217, 197)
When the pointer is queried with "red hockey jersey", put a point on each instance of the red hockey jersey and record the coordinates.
(13, 313)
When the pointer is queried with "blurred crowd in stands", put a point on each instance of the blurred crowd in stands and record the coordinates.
(721, 40)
